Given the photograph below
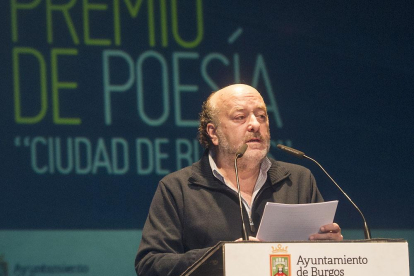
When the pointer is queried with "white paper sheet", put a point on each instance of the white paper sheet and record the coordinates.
(293, 222)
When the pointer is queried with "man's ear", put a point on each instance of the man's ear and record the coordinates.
(212, 132)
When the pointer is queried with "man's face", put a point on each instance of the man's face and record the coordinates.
(242, 119)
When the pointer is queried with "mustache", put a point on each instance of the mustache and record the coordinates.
(254, 136)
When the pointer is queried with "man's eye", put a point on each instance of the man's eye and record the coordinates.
(239, 118)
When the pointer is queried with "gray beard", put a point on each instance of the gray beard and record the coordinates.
(227, 151)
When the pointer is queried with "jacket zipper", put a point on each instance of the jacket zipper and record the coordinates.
(251, 223)
(252, 226)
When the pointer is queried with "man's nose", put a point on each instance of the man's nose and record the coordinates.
(254, 124)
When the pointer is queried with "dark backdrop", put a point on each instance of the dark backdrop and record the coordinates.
(100, 99)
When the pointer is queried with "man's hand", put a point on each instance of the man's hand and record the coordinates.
(328, 232)
(250, 239)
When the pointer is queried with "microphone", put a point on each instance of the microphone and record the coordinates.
(239, 154)
(300, 154)
(241, 151)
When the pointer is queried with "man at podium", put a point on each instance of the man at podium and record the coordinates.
(196, 207)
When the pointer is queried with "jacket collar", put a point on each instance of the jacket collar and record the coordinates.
(202, 175)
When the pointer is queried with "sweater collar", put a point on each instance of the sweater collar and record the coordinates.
(202, 175)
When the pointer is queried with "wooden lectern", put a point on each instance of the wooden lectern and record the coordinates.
(305, 258)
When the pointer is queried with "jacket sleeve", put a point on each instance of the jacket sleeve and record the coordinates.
(161, 251)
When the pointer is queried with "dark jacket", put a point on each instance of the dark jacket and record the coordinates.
(192, 211)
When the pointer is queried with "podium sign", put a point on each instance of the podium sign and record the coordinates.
(319, 258)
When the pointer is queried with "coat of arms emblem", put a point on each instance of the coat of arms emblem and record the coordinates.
(279, 262)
